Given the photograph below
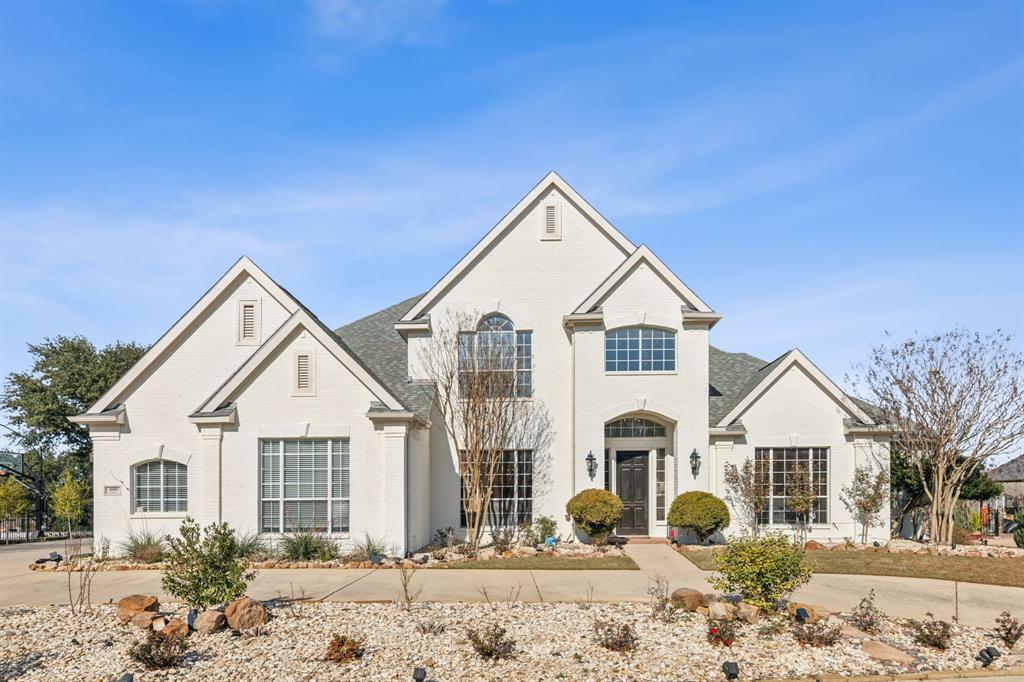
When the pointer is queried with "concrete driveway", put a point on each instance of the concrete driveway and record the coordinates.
(906, 597)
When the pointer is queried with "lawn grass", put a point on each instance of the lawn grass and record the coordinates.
(984, 570)
(546, 562)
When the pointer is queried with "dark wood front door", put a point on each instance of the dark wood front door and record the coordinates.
(631, 486)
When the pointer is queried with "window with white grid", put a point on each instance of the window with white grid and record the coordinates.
(160, 486)
(639, 349)
(780, 467)
(304, 485)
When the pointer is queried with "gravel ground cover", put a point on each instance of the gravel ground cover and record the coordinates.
(553, 641)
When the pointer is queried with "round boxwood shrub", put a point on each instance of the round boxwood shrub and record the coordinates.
(595, 512)
(701, 512)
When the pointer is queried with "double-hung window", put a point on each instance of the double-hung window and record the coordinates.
(779, 469)
(512, 493)
(304, 485)
(640, 349)
(161, 486)
(496, 357)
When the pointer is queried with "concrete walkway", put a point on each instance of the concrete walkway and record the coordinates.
(906, 597)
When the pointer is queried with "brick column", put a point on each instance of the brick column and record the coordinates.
(209, 485)
(395, 492)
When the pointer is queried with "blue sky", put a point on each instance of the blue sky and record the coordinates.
(819, 173)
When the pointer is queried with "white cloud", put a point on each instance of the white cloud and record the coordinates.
(362, 22)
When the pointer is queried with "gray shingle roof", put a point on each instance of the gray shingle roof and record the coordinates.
(1009, 471)
(374, 341)
(732, 376)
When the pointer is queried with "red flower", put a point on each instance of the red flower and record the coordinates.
(728, 642)
(713, 630)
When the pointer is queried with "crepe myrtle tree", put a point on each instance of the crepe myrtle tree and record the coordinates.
(747, 492)
(866, 496)
(954, 401)
(488, 412)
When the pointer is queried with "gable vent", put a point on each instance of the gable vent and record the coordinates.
(550, 226)
(551, 220)
(302, 382)
(248, 320)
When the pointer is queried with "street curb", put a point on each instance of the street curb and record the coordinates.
(1017, 670)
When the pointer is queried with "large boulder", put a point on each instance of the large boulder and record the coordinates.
(526, 552)
(209, 622)
(814, 546)
(245, 613)
(175, 627)
(793, 606)
(748, 613)
(686, 599)
(708, 598)
(721, 610)
(128, 606)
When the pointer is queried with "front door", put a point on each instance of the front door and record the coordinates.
(631, 486)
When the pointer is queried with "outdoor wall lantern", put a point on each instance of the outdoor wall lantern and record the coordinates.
(695, 462)
(591, 465)
(731, 669)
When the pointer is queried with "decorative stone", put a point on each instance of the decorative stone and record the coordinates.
(686, 599)
(702, 610)
(814, 546)
(821, 611)
(721, 610)
(175, 627)
(128, 606)
(708, 598)
(748, 613)
(209, 622)
(526, 552)
(851, 632)
(158, 623)
(883, 652)
(245, 613)
(793, 606)
(144, 619)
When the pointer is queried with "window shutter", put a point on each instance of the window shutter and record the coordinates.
(302, 372)
(248, 321)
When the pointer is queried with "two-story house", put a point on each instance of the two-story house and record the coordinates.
(250, 410)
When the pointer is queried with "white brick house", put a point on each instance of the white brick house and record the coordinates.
(251, 411)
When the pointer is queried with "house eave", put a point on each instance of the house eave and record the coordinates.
(700, 318)
(734, 430)
(225, 415)
(852, 427)
(421, 324)
(386, 417)
(582, 319)
(114, 415)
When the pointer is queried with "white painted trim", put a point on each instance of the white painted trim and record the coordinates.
(638, 406)
(304, 430)
(795, 357)
(100, 419)
(552, 179)
(300, 319)
(642, 255)
(640, 318)
(243, 266)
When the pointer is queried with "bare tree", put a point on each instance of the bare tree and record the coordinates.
(866, 496)
(747, 491)
(954, 400)
(484, 394)
(800, 499)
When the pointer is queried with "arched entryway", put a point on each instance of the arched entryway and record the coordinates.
(639, 469)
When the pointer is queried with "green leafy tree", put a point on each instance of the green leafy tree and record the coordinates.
(13, 500)
(68, 500)
(204, 570)
(865, 497)
(67, 376)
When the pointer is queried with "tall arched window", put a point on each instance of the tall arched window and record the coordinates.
(639, 349)
(496, 347)
(160, 486)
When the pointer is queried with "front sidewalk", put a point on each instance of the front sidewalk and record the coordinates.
(903, 597)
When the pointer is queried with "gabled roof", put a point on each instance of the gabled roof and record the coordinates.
(243, 266)
(760, 380)
(1009, 471)
(643, 255)
(552, 179)
(300, 319)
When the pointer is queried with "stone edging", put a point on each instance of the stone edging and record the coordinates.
(928, 675)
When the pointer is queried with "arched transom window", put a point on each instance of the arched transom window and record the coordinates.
(499, 353)
(640, 349)
(633, 427)
(160, 486)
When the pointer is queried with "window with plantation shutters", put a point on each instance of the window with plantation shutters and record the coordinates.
(304, 485)
(248, 323)
(160, 486)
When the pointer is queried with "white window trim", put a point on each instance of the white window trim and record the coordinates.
(161, 513)
(311, 389)
(280, 498)
(257, 322)
(640, 372)
(552, 201)
(829, 507)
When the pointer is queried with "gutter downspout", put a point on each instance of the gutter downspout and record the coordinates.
(572, 409)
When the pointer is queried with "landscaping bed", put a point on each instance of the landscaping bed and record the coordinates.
(552, 641)
(988, 570)
(548, 562)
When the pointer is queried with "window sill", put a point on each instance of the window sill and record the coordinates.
(142, 516)
(639, 374)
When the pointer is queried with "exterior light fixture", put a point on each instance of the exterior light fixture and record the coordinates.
(591, 465)
(801, 615)
(987, 655)
(695, 462)
(419, 674)
(731, 669)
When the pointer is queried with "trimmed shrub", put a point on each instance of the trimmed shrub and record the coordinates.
(595, 512)
(143, 545)
(701, 512)
(205, 571)
(762, 571)
(157, 651)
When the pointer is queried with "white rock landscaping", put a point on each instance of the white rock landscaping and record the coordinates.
(553, 641)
